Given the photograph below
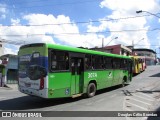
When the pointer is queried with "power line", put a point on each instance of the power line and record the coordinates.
(52, 34)
(147, 45)
(80, 22)
(14, 42)
(60, 4)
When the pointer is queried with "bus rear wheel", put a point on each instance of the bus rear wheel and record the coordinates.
(91, 90)
(124, 82)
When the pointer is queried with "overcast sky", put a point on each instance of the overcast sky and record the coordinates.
(80, 22)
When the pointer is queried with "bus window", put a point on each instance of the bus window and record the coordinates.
(107, 62)
(97, 62)
(88, 64)
(116, 63)
(140, 60)
(123, 64)
(59, 60)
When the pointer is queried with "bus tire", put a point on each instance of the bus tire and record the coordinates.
(91, 90)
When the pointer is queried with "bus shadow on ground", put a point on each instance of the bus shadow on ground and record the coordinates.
(149, 91)
(30, 102)
(155, 75)
(105, 90)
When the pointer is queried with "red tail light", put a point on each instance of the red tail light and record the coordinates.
(41, 83)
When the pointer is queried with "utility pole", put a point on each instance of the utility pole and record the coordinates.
(132, 44)
(102, 44)
(111, 40)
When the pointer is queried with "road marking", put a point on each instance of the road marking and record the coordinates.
(137, 106)
(140, 101)
(143, 97)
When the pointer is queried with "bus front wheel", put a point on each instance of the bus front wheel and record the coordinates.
(91, 90)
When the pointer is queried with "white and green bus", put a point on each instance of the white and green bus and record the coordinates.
(54, 71)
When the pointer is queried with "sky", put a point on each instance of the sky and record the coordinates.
(80, 23)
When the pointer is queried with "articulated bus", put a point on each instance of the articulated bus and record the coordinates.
(54, 71)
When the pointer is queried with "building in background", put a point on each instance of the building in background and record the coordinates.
(149, 54)
(2, 75)
(10, 62)
(119, 49)
(101, 49)
(115, 49)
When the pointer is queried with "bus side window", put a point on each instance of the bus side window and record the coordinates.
(93, 62)
(59, 60)
(97, 62)
(123, 64)
(88, 64)
(116, 63)
(53, 60)
(67, 61)
(108, 63)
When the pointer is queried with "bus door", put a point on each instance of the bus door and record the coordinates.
(129, 68)
(77, 75)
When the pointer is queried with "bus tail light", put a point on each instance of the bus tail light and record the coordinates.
(41, 83)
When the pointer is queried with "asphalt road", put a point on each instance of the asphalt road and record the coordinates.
(143, 94)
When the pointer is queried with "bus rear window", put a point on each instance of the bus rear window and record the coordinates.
(32, 45)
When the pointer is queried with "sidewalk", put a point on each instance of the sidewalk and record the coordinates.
(10, 86)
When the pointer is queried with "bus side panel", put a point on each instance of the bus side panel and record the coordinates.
(122, 73)
(116, 78)
(59, 85)
(103, 78)
(109, 78)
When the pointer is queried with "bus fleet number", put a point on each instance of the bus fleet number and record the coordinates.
(92, 75)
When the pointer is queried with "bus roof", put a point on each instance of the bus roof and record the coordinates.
(81, 50)
(72, 49)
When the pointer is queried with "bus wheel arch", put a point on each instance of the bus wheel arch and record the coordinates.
(91, 88)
